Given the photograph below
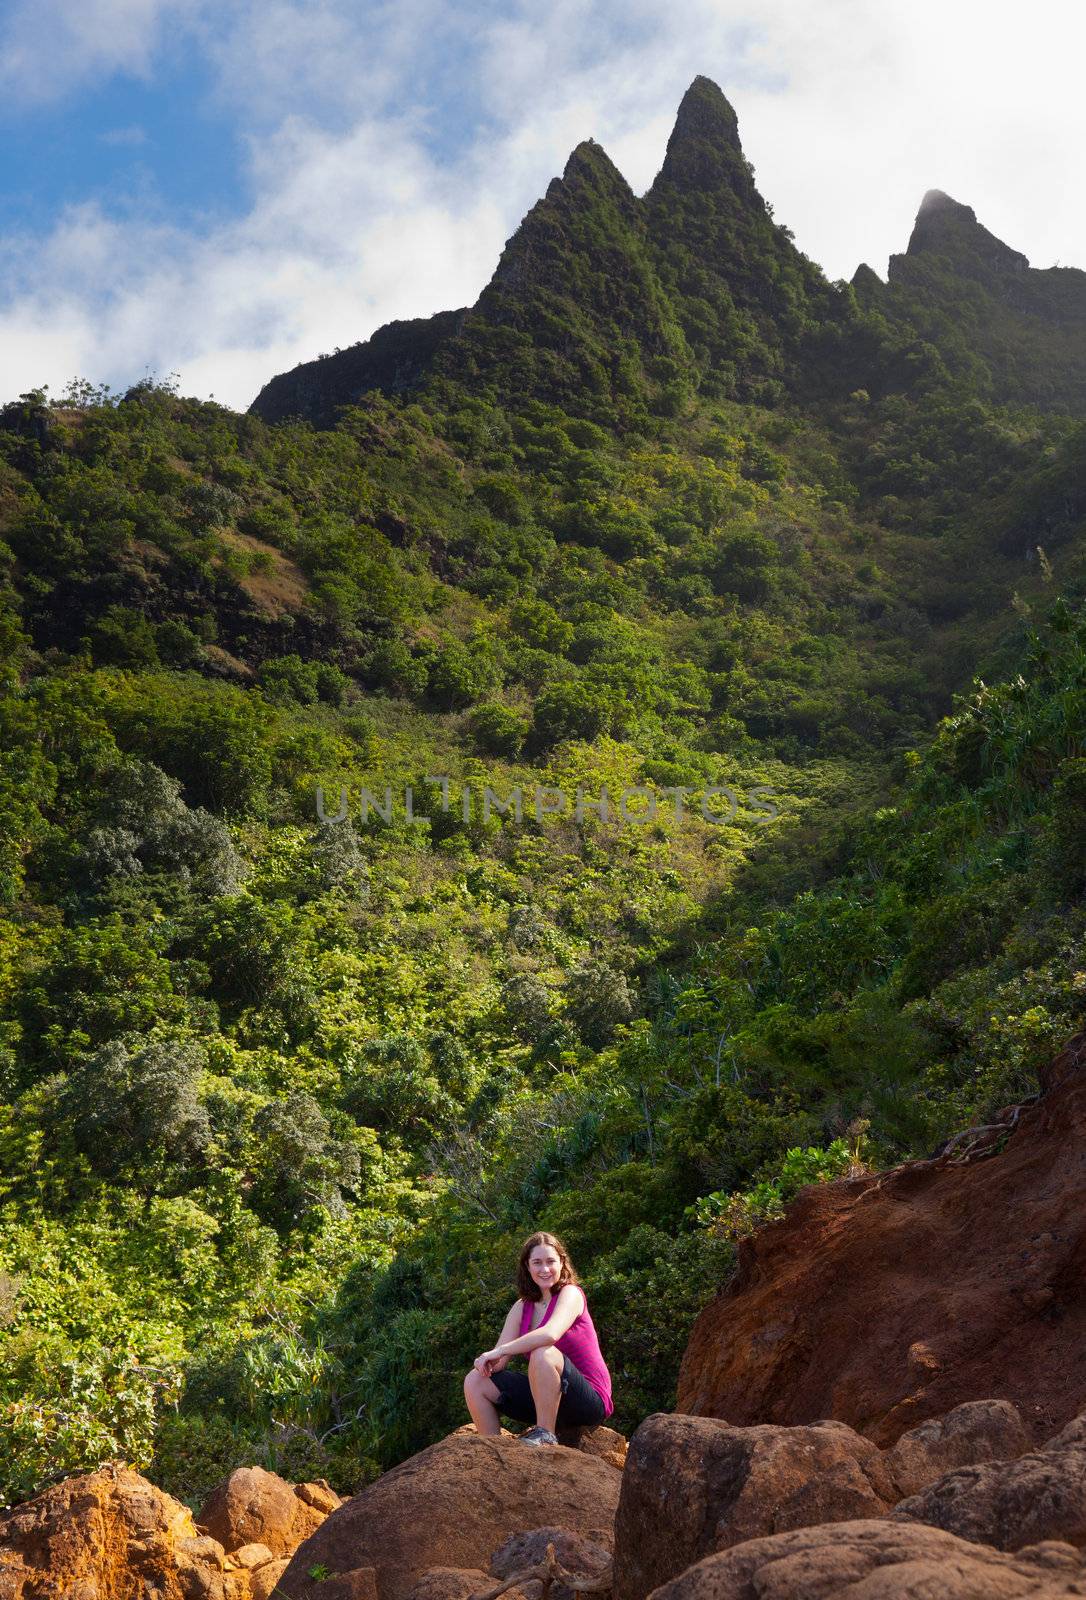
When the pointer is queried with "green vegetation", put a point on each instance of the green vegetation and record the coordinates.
(280, 1094)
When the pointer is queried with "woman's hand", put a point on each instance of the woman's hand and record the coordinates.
(488, 1362)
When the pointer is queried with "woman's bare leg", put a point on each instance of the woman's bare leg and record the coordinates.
(482, 1397)
(545, 1376)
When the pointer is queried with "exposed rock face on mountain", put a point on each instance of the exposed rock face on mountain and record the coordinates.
(870, 1560)
(451, 1506)
(882, 1301)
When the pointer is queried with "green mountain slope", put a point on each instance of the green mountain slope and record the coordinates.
(664, 513)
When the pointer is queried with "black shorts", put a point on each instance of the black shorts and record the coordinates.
(581, 1406)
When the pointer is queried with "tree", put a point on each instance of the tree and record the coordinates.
(139, 1108)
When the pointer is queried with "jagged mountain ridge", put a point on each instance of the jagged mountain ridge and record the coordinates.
(600, 297)
(1017, 332)
(603, 302)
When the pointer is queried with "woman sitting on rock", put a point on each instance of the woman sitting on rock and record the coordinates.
(567, 1384)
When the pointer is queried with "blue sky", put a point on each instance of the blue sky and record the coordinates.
(224, 189)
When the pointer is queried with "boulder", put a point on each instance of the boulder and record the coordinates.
(451, 1583)
(606, 1443)
(251, 1556)
(980, 1430)
(451, 1506)
(320, 1495)
(265, 1581)
(874, 1560)
(693, 1485)
(576, 1552)
(888, 1299)
(252, 1506)
(1008, 1504)
(105, 1536)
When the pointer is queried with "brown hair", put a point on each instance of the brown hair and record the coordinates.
(529, 1289)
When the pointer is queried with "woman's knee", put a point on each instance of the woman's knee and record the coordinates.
(546, 1355)
(476, 1384)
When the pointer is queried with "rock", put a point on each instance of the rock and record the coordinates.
(1073, 1434)
(251, 1556)
(693, 1485)
(451, 1505)
(980, 1430)
(577, 1552)
(320, 1495)
(606, 1443)
(1008, 1504)
(265, 1580)
(869, 1560)
(889, 1299)
(75, 1538)
(451, 1583)
(358, 1584)
(252, 1506)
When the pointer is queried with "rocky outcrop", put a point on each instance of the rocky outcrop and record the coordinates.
(606, 1443)
(110, 1535)
(868, 1560)
(1008, 1504)
(692, 1486)
(452, 1505)
(572, 1552)
(252, 1506)
(890, 1299)
(980, 1430)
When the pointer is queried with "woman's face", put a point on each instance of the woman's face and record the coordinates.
(545, 1266)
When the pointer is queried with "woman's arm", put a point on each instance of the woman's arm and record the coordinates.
(490, 1361)
(560, 1321)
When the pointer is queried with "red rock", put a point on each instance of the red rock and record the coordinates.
(107, 1535)
(889, 1299)
(451, 1583)
(606, 1443)
(251, 1556)
(320, 1495)
(264, 1582)
(451, 1506)
(577, 1552)
(693, 1485)
(875, 1560)
(252, 1506)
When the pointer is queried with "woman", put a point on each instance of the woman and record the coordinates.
(567, 1384)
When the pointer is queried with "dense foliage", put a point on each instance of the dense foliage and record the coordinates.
(288, 1069)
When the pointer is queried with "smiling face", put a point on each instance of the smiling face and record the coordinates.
(545, 1266)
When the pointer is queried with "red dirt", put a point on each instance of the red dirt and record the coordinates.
(884, 1300)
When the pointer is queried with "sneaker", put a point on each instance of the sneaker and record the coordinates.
(537, 1436)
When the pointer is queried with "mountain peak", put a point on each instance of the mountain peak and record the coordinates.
(704, 149)
(947, 227)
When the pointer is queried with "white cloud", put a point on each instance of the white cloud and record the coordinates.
(394, 147)
(50, 47)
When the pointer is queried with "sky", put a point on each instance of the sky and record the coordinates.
(220, 189)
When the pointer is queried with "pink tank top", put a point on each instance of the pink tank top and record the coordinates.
(580, 1344)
